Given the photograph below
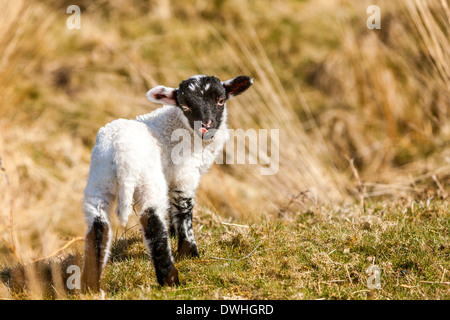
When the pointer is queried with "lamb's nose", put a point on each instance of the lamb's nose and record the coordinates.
(207, 125)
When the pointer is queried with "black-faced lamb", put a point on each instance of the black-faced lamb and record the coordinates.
(134, 161)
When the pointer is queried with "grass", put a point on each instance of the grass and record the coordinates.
(363, 118)
(320, 254)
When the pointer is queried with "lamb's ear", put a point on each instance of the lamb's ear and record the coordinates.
(237, 85)
(162, 94)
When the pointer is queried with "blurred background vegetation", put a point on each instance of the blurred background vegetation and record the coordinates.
(362, 113)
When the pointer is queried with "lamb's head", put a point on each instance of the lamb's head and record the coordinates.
(202, 100)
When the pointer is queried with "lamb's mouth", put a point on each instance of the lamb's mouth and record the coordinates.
(206, 134)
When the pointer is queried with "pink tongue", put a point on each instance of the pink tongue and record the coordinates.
(203, 130)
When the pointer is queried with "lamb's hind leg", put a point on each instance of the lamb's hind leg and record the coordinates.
(156, 238)
(97, 246)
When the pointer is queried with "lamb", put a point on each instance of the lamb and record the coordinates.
(132, 160)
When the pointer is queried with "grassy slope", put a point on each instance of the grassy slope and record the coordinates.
(338, 91)
(324, 253)
(306, 255)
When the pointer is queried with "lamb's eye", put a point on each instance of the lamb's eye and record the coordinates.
(220, 102)
(185, 108)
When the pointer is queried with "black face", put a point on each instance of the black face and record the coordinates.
(202, 99)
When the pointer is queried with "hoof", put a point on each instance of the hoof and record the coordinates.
(172, 278)
(194, 253)
(187, 249)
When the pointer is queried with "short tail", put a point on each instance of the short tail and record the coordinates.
(125, 190)
(124, 201)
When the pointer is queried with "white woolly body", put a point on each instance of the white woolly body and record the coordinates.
(131, 160)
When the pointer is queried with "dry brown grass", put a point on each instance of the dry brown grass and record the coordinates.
(336, 90)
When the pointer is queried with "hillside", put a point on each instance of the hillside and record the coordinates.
(363, 119)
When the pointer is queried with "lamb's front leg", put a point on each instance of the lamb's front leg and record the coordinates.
(181, 207)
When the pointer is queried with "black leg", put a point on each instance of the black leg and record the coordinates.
(172, 230)
(96, 252)
(157, 241)
(181, 222)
